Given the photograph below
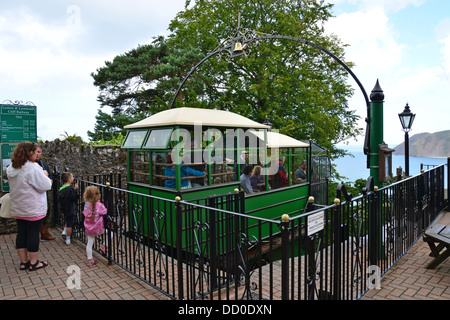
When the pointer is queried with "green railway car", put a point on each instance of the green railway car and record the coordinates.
(196, 153)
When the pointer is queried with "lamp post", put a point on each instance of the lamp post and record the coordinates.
(406, 119)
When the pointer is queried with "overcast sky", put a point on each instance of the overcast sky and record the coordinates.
(49, 48)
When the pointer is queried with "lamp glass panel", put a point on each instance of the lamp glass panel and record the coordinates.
(411, 121)
(405, 119)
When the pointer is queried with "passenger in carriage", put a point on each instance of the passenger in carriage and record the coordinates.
(185, 172)
(198, 182)
(300, 174)
(257, 181)
(244, 159)
(280, 178)
(245, 180)
(169, 171)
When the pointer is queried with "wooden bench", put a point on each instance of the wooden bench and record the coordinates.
(438, 238)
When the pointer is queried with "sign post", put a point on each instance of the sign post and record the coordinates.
(316, 222)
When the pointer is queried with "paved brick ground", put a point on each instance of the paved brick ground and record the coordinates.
(408, 279)
(99, 282)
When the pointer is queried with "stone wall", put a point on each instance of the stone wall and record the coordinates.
(80, 159)
(84, 159)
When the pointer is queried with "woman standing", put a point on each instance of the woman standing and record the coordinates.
(28, 185)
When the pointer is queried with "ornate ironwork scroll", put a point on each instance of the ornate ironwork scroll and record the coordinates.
(159, 225)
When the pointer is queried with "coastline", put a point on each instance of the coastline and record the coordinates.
(354, 168)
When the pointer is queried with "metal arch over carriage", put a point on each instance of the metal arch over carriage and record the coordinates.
(236, 46)
(197, 155)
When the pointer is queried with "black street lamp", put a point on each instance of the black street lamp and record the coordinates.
(406, 119)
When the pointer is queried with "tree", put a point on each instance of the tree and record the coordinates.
(109, 126)
(302, 90)
(139, 83)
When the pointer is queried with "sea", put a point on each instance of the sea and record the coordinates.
(355, 167)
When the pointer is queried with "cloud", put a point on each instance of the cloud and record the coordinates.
(380, 51)
(39, 65)
(371, 39)
(387, 5)
(443, 34)
(33, 51)
(48, 50)
(372, 48)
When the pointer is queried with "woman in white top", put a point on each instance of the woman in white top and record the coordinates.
(28, 185)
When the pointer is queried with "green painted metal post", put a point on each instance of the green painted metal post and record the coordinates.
(179, 249)
(376, 138)
(376, 130)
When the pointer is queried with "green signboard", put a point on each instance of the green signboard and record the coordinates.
(6, 151)
(17, 123)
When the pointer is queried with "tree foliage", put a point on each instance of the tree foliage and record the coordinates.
(303, 91)
(138, 84)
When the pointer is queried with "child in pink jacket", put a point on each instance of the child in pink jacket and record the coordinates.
(93, 213)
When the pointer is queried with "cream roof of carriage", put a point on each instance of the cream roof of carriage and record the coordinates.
(194, 116)
(279, 140)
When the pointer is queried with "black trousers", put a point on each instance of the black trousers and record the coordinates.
(28, 234)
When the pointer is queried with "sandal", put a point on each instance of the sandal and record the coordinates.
(34, 267)
(103, 250)
(24, 265)
(92, 262)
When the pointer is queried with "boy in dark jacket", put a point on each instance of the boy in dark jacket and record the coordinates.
(67, 196)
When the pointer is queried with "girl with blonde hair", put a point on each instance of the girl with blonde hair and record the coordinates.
(257, 181)
(93, 212)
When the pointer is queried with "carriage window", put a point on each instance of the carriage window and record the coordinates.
(158, 138)
(299, 169)
(140, 167)
(280, 177)
(160, 161)
(299, 166)
(223, 173)
(134, 139)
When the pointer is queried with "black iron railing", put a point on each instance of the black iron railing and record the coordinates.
(213, 250)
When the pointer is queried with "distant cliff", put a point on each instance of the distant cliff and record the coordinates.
(431, 145)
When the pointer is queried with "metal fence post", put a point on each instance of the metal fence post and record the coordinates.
(374, 228)
(212, 245)
(310, 241)
(55, 187)
(179, 228)
(337, 250)
(284, 257)
(110, 213)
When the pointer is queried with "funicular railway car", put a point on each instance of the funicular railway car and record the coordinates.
(196, 153)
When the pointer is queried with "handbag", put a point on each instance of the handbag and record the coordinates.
(5, 208)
